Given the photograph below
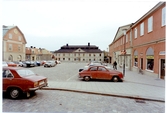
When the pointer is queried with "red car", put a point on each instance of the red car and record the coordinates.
(17, 80)
(100, 72)
(11, 64)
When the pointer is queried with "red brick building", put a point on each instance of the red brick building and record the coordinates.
(144, 43)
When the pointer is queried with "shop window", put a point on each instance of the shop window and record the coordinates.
(136, 62)
(150, 58)
(150, 64)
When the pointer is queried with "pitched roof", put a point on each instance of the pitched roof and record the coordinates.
(7, 28)
(81, 48)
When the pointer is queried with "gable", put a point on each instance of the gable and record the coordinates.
(79, 50)
(14, 31)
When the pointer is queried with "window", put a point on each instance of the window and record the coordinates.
(126, 38)
(10, 47)
(7, 74)
(19, 48)
(142, 29)
(10, 36)
(150, 64)
(163, 16)
(19, 38)
(89, 54)
(150, 24)
(136, 62)
(101, 69)
(99, 54)
(135, 33)
(93, 69)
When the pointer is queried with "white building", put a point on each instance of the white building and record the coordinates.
(81, 53)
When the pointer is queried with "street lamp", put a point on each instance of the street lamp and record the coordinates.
(124, 52)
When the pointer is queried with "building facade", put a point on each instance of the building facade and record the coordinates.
(143, 45)
(13, 44)
(79, 53)
(37, 54)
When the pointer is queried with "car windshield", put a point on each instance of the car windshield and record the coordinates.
(23, 72)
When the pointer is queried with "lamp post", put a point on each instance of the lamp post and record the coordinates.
(124, 52)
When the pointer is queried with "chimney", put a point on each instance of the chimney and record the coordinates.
(88, 44)
(66, 44)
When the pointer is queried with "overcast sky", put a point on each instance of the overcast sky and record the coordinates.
(52, 24)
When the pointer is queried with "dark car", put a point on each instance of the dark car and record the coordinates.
(100, 72)
(18, 80)
(37, 63)
(29, 64)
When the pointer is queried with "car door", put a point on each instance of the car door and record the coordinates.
(7, 79)
(93, 72)
(103, 73)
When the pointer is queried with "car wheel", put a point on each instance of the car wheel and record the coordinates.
(115, 79)
(86, 78)
(14, 93)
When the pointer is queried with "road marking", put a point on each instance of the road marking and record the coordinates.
(71, 77)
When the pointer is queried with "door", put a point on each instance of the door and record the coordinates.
(103, 73)
(162, 69)
(141, 63)
(93, 72)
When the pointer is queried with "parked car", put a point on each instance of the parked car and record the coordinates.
(94, 63)
(28, 63)
(11, 64)
(19, 63)
(4, 64)
(100, 72)
(50, 64)
(18, 80)
(43, 62)
(37, 63)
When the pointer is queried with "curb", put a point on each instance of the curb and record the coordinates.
(114, 95)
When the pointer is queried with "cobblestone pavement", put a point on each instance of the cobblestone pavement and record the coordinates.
(72, 102)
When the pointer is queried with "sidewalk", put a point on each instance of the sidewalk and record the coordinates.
(135, 86)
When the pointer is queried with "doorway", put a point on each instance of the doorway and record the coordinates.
(141, 63)
(162, 69)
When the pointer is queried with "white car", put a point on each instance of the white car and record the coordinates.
(94, 63)
(50, 64)
(4, 64)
